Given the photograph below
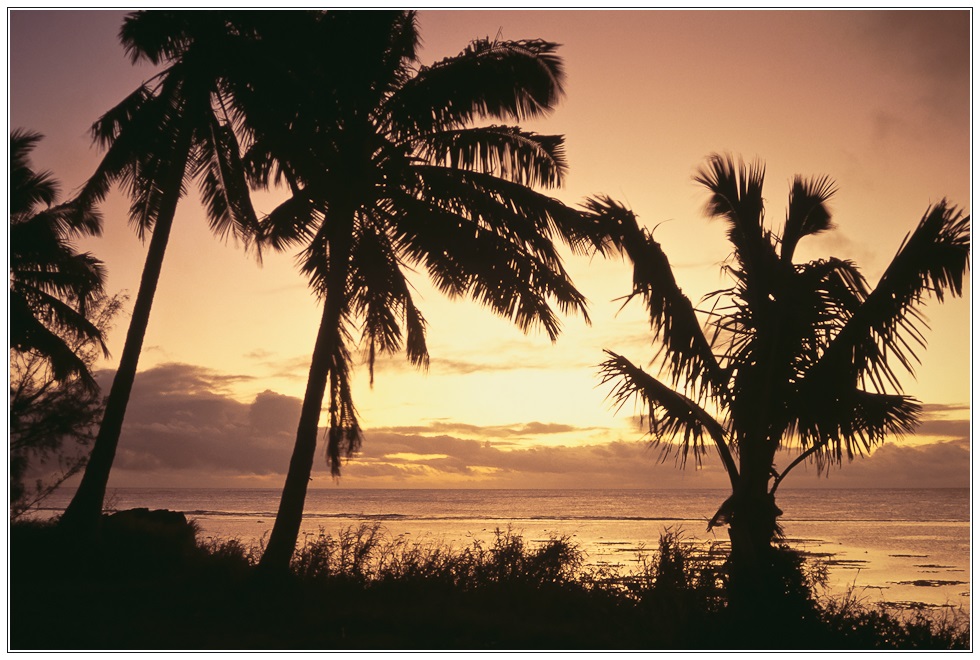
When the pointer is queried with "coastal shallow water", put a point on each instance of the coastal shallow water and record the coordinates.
(908, 547)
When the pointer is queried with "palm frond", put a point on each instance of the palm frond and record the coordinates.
(807, 212)
(508, 213)
(687, 354)
(122, 146)
(381, 296)
(507, 206)
(293, 221)
(149, 182)
(851, 422)
(65, 318)
(223, 187)
(506, 152)
(670, 414)
(415, 344)
(819, 300)
(50, 284)
(154, 36)
(344, 433)
(612, 223)
(78, 278)
(28, 189)
(485, 266)
(736, 195)
(140, 111)
(933, 259)
(74, 219)
(404, 40)
(161, 36)
(144, 135)
(28, 333)
(503, 80)
(270, 160)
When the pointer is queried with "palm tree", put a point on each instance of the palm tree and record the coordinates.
(51, 285)
(792, 355)
(173, 128)
(52, 421)
(388, 174)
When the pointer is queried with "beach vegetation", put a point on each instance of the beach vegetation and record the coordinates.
(53, 421)
(59, 317)
(153, 585)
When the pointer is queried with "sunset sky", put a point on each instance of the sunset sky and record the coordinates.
(878, 100)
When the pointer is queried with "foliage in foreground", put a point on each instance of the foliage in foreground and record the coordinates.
(152, 584)
(52, 421)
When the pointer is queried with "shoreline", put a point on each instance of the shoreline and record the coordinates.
(894, 579)
(882, 545)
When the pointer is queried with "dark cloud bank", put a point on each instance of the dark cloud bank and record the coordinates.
(183, 429)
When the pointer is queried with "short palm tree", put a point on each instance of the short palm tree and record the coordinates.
(793, 354)
(388, 175)
(51, 285)
(171, 129)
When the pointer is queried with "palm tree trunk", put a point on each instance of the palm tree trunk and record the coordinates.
(752, 530)
(85, 509)
(285, 531)
(753, 526)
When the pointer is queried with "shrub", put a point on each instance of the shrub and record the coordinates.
(361, 588)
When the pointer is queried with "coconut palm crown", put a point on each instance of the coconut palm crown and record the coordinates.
(395, 168)
(793, 355)
(172, 129)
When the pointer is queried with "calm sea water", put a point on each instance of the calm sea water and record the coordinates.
(897, 546)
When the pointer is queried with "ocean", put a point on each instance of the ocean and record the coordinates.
(905, 547)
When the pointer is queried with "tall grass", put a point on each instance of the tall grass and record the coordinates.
(367, 554)
(362, 588)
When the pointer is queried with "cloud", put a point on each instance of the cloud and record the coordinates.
(183, 429)
(260, 354)
(511, 361)
(181, 418)
(948, 428)
(940, 408)
(929, 51)
(616, 464)
(498, 431)
(294, 367)
(936, 421)
(420, 460)
(933, 44)
(172, 378)
(273, 413)
(936, 465)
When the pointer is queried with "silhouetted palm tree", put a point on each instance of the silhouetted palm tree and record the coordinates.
(51, 285)
(173, 128)
(388, 174)
(795, 353)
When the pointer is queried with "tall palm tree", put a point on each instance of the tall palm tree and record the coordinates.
(51, 285)
(793, 354)
(171, 129)
(388, 174)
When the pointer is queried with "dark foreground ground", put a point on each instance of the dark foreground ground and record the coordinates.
(147, 585)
